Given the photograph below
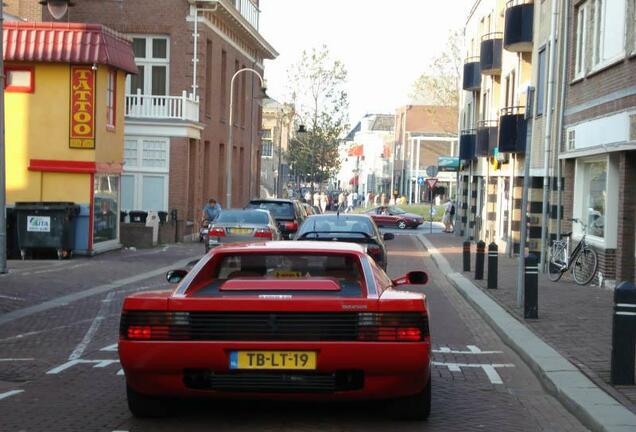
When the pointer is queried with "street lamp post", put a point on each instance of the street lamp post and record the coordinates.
(228, 159)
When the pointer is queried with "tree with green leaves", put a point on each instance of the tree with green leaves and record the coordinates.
(439, 85)
(316, 85)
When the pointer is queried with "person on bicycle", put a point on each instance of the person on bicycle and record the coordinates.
(211, 210)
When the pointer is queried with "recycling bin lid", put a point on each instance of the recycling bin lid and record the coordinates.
(47, 205)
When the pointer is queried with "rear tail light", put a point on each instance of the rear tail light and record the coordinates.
(153, 325)
(147, 332)
(216, 232)
(392, 327)
(263, 233)
(291, 226)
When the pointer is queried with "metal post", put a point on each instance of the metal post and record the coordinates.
(228, 158)
(466, 256)
(3, 189)
(624, 334)
(524, 201)
(531, 297)
(493, 264)
(431, 210)
(479, 260)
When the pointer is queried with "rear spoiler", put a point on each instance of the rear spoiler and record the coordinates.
(292, 284)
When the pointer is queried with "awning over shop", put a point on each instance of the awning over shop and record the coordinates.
(52, 42)
(356, 150)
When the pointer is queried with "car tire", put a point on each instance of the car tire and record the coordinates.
(146, 406)
(401, 224)
(416, 407)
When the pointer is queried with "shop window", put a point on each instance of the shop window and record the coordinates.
(111, 89)
(19, 79)
(105, 207)
(594, 197)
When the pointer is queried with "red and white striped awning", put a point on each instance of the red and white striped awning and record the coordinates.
(52, 42)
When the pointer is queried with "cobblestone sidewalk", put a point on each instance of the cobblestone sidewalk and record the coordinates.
(575, 320)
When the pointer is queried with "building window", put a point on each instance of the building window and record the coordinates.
(571, 139)
(581, 34)
(111, 95)
(540, 82)
(19, 79)
(594, 197)
(608, 31)
(152, 56)
(145, 179)
(267, 144)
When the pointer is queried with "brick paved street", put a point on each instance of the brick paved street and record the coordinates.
(63, 375)
(575, 320)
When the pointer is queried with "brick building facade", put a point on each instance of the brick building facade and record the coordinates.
(177, 115)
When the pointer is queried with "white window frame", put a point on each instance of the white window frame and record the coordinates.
(599, 12)
(148, 61)
(138, 172)
(111, 99)
(611, 201)
(581, 40)
(271, 141)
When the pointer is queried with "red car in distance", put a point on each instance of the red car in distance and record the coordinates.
(297, 320)
(392, 216)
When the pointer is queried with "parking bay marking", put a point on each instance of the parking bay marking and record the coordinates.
(10, 393)
(489, 369)
(472, 349)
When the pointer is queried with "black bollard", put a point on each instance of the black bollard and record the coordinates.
(479, 260)
(531, 295)
(466, 256)
(493, 263)
(624, 334)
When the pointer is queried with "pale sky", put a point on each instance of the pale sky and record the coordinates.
(385, 44)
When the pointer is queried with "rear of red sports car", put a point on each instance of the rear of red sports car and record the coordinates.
(279, 320)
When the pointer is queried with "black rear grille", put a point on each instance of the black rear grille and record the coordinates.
(274, 382)
(270, 326)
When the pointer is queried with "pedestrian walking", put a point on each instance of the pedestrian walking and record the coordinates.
(446, 219)
(324, 201)
(355, 199)
(376, 199)
(349, 208)
(341, 201)
(316, 202)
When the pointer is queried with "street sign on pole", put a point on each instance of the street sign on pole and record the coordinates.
(431, 170)
(431, 182)
(420, 180)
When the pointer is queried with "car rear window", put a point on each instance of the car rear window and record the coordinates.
(243, 217)
(337, 224)
(344, 269)
(279, 210)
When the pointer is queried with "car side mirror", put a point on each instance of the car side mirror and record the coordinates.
(388, 236)
(412, 278)
(176, 276)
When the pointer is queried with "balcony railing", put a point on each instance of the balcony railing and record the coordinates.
(142, 106)
(518, 26)
(490, 54)
(486, 138)
(249, 11)
(472, 74)
(512, 130)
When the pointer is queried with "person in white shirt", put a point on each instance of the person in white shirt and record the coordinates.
(349, 203)
(447, 218)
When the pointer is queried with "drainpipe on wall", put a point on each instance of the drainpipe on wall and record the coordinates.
(548, 132)
(564, 86)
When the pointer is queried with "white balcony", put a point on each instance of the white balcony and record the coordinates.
(151, 107)
(249, 11)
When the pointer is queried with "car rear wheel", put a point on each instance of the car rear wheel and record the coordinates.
(146, 406)
(416, 407)
(401, 224)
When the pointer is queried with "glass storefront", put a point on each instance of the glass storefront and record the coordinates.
(594, 199)
(105, 207)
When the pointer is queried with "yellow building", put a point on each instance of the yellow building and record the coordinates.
(64, 118)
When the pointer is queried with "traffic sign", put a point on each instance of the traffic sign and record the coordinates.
(431, 171)
(420, 180)
(431, 182)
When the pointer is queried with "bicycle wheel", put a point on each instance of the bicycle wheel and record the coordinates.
(584, 266)
(556, 266)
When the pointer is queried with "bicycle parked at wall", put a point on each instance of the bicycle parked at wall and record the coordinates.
(582, 262)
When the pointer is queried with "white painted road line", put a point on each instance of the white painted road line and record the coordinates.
(96, 364)
(110, 348)
(10, 393)
(472, 349)
(15, 359)
(489, 369)
(81, 347)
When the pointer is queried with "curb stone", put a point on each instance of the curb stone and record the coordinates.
(587, 402)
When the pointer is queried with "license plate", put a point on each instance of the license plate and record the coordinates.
(240, 231)
(272, 360)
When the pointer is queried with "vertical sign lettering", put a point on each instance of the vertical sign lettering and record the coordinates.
(82, 134)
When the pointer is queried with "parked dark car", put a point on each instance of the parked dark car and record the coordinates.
(289, 214)
(351, 228)
(392, 216)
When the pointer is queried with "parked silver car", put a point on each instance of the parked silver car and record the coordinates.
(242, 225)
